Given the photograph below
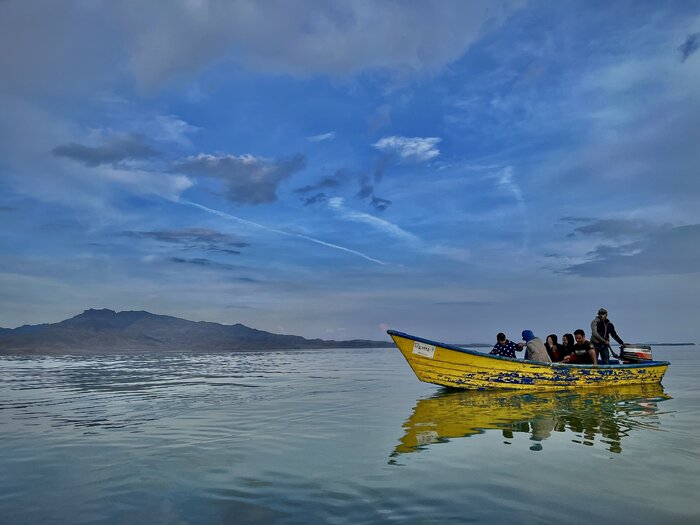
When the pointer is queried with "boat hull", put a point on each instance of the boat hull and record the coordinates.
(456, 367)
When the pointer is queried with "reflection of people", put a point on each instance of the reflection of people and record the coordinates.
(584, 351)
(601, 330)
(535, 350)
(542, 427)
(602, 417)
(504, 347)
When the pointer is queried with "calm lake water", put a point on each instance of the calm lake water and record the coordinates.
(335, 436)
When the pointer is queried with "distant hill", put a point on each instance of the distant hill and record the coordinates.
(105, 330)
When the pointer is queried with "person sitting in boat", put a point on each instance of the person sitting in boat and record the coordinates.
(552, 346)
(504, 347)
(566, 346)
(584, 351)
(601, 330)
(535, 348)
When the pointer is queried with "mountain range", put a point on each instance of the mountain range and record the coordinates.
(98, 331)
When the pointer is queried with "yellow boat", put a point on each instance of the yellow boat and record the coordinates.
(457, 367)
(593, 417)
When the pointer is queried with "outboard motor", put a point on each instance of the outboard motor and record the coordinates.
(632, 353)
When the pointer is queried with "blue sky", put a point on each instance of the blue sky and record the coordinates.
(334, 169)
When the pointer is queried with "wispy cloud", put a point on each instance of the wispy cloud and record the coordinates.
(322, 137)
(506, 180)
(338, 205)
(115, 149)
(379, 204)
(170, 128)
(318, 192)
(194, 239)
(278, 231)
(464, 303)
(380, 118)
(611, 228)
(410, 149)
(249, 179)
(328, 182)
(634, 247)
(369, 183)
(208, 263)
(145, 182)
(340, 38)
(315, 198)
(690, 46)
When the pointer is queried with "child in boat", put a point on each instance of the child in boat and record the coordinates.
(504, 347)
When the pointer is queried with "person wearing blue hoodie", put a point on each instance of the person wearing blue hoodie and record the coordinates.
(535, 349)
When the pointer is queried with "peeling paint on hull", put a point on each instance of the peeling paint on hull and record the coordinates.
(456, 367)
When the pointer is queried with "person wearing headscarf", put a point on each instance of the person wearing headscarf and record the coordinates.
(535, 349)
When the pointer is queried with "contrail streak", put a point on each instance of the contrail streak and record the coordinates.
(280, 232)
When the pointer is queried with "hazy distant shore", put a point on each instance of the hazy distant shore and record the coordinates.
(107, 331)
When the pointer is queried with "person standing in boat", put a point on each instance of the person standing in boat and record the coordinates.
(504, 347)
(535, 348)
(601, 331)
(584, 351)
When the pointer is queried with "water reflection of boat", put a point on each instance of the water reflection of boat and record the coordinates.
(610, 413)
(457, 367)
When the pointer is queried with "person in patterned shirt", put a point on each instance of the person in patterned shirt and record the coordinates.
(504, 347)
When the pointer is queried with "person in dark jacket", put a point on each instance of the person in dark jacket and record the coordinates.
(601, 331)
(552, 346)
(584, 351)
(567, 345)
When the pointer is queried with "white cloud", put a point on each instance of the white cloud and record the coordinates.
(336, 203)
(303, 38)
(321, 137)
(169, 128)
(414, 149)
